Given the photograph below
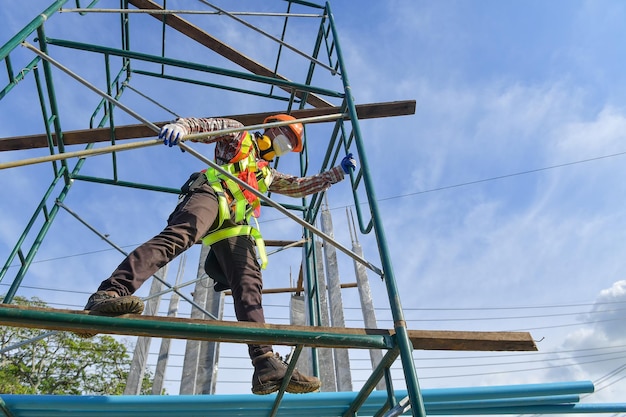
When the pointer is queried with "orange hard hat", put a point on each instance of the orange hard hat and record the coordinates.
(296, 128)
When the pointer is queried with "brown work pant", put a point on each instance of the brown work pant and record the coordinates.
(191, 220)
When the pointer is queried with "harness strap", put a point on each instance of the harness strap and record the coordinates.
(216, 184)
(239, 199)
(241, 230)
(243, 202)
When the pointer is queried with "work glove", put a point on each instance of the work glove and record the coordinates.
(348, 163)
(171, 133)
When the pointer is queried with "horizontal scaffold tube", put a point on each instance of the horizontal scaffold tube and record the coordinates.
(142, 144)
(194, 329)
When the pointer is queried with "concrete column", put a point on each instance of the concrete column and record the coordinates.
(164, 350)
(342, 359)
(367, 306)
(142, 348)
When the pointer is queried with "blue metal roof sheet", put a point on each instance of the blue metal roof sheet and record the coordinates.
(552, 398)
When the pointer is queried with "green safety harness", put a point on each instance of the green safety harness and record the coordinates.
(243, 204)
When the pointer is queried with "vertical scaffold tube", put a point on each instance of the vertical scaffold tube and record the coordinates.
(402, 338)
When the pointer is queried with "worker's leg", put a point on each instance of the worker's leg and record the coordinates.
(188, 223)
(237, 258)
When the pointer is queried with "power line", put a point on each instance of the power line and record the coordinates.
(499, 177)
(432, 319)
(524, 307)
(515, 370)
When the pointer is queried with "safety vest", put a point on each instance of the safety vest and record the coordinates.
(236, 202)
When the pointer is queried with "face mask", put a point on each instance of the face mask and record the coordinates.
(282, 145)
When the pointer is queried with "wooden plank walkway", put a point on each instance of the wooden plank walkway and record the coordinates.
(240, 332)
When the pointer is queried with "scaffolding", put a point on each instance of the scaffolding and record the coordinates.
(174, 52)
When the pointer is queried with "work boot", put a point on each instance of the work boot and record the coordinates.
(269, 372)
(111, 304)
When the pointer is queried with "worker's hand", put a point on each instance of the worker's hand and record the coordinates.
(348, 163)
(171, 133)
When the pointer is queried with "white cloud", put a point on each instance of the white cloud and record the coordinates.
(602, 135)
(598, 344)
(609, 328)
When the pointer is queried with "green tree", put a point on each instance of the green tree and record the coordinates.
(62, 363)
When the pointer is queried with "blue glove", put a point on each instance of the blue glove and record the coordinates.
(171, 133)
(348, 163)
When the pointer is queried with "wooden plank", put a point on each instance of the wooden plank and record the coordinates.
(283, 243)
(103, 134)
(242, 332)
(203, 38)
(471, 341)
(293, 290)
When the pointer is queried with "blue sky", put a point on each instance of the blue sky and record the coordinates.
(503, 196)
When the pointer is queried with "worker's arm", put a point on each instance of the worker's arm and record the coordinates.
(301, 186)
(171, 133)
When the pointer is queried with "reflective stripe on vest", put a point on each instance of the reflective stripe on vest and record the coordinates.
(241, 230)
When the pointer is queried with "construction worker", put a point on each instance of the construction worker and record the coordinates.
(215, 209)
